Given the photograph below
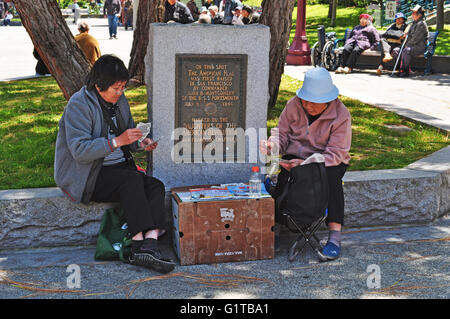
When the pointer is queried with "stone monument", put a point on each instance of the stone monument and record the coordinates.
(207, 88)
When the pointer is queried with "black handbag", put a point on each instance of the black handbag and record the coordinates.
(305, 195)
(393, 34)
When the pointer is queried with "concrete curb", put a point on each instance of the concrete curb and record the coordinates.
(418, 193)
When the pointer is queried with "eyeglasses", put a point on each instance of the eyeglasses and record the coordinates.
(118, 91)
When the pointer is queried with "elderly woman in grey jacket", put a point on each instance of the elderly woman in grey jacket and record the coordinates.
(416, 41)
(364, 36)
(93, 159)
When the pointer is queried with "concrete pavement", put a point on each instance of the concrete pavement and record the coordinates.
(399, 262)
(17, 61)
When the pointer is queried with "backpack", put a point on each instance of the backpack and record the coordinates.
(114, 239)
(305, 195)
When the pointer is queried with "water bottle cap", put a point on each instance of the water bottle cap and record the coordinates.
(255, 169)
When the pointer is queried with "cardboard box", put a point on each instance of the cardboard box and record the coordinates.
(222, 230)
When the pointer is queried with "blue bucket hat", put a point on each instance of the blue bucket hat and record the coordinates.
(400, 15)
(318, 87)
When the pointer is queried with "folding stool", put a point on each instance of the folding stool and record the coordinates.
(307, 236)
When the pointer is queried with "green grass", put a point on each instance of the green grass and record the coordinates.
(29, 114)
(30, 111)
(443, 41)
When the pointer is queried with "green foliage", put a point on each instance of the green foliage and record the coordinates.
(63, 4)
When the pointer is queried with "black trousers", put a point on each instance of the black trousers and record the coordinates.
(351, 54)
(140, 196)
(336, 191)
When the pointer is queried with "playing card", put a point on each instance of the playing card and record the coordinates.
(145, 129)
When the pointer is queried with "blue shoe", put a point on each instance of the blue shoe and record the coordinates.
(330, 252)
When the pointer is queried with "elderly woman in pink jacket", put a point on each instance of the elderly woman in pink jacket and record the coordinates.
(316, 121)
(364, 36)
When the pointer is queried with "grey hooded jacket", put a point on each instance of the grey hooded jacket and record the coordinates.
(82, 144)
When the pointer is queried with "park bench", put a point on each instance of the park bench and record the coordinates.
(428, 54)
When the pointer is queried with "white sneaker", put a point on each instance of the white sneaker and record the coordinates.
(339, 70)
(379, 70)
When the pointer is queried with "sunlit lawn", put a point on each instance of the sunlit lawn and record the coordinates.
(30, 111)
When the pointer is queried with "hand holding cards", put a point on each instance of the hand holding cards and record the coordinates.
(288, 164)
(145, 129)
(150, 144)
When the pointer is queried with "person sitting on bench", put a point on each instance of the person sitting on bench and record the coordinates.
(315, 121)
(364, 36)
(391, 39)
(416, 41)
(93, 160)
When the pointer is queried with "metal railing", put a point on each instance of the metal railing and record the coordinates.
(405, 6)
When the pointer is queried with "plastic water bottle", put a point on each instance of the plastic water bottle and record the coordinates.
(271, 176)
(254, 184)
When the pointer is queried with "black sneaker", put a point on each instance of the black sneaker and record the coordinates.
(403, 73)
(149, 256)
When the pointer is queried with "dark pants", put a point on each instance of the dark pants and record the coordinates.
(336, 191)
(407, 54)
(140, 196)
(351, 54)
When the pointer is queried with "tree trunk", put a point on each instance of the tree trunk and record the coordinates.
(330, 10)
(148, 12)
(55, 43)
(333, 5)
(440, 15)
(278, 16)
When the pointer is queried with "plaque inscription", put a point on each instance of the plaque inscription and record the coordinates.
(210, 101)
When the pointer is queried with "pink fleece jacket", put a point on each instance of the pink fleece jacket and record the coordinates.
(329, 135)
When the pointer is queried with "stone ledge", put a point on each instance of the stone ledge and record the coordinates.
(44, 217)
(418, 193)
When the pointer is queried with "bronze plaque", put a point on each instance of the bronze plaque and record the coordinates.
(210, 98)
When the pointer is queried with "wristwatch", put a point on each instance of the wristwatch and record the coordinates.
(114, 143)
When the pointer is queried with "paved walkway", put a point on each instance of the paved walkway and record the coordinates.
(17, 61)
(397, 262)
(422, 98)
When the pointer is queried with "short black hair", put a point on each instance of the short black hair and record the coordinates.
(106, 71)
(247, 8)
